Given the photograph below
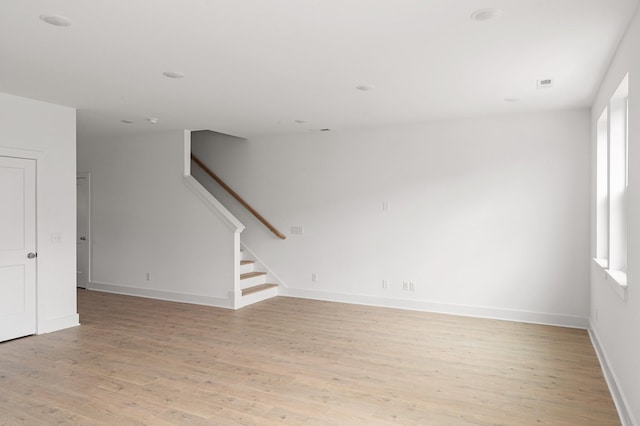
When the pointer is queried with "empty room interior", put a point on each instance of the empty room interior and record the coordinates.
(359, 212)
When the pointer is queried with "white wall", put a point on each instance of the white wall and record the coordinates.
(146, 220)
(487, 216)
(616, 327)
(48, 133)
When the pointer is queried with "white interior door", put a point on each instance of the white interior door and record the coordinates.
(17, 247)
(83, 197)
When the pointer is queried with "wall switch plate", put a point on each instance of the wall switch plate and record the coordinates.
(148, 276)
(405, 285)
(56, 237)
(314, 278)
(385, 284)
(412, 286)
(297, 230)
(385, 206)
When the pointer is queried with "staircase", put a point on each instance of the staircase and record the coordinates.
(254, 285)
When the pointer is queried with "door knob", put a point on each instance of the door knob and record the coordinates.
(32, 255)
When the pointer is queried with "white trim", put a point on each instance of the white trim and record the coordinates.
(187, 152)
(56, 324)
(617, 279)
(218, 302)
(205, 196)
(620, 280)
(617, 395)
(213, 204)
(236, 292)
(87, 176)
(443, 308)
(603, 263)
(30, 154)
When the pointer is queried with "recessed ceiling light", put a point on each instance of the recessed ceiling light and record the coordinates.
(152, 120)
(364, 87)
(325, 130)
(57, 20)
(126, 121)
(487, 14)
(300, 121)
(511, 99)
(173, 74)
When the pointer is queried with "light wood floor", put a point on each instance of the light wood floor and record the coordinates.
(293, 361)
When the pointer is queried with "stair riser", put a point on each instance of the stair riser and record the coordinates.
(247, 268)
(250, 282)
(257, 297)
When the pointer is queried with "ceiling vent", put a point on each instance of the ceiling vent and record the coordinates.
(547, 83)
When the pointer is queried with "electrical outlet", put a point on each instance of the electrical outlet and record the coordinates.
(405, 285)
(412, 286)
(148, 276)
(385, 206)
(385, 284)
(314, 278)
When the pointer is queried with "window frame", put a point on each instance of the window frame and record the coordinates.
(612, 181)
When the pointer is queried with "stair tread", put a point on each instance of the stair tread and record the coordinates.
(251, 275)
(257, 288)
(246, 262)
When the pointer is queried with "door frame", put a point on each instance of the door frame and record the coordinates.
(87, 176)
(38, 157)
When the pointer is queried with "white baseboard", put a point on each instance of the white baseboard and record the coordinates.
(218, 302)
(427, 306)
(51, 325)
(618, 396)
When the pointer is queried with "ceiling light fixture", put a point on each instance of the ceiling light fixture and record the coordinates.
(325, 130)
(300, 121)
(57, 20)
(173, 74)
(511, 99)
(152, 120)
(364, 87)
(488, 14)
(126, 121)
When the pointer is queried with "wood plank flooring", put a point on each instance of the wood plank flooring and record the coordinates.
(138, 361)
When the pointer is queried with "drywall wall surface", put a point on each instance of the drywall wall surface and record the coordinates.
(485, 216)
(615, 317)
(47, 132)
(152, 236)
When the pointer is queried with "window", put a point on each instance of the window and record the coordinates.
(611, 184)
(602, 189)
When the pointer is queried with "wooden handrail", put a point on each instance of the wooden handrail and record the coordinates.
(246, 205)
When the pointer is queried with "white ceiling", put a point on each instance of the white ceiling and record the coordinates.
(255, 66)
